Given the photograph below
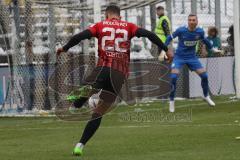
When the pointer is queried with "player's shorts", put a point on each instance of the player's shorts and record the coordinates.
(192, 63)
(108, 82)
(104, 80)
(107, 79)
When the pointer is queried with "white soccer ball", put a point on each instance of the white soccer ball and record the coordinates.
(93, 101)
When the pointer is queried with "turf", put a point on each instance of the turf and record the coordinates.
(143, 132)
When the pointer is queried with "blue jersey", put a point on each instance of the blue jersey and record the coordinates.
(187, 41)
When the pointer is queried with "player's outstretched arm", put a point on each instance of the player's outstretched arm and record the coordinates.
(86, 34)
(152, 37)
(172, 36)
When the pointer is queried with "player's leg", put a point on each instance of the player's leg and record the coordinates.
(174, 77)
(95, 120)
(91, 127)
(196, 66)
(80, 102)
(105, 102)
(176, 66)
(80, 96)
(204, 82)
(107, 98)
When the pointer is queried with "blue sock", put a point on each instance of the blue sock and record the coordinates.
(174, 78)
(204, 83)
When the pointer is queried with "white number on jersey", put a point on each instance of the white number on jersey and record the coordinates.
(118, 40)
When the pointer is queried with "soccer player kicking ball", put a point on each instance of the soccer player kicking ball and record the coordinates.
(188, 37)
(114, 36)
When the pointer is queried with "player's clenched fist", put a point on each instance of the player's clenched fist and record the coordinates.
(166, 56)
(60, 50)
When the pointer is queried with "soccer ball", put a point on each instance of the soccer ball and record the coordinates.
(93, 101)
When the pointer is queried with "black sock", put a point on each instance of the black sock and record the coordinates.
(91, 128)
(80, 102)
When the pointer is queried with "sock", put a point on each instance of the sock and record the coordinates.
(80, 145)
(91, 128)
(204, 83)
(174, 78)
(80, 102)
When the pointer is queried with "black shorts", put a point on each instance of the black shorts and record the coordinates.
(106, 79)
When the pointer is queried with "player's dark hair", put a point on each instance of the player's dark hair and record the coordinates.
(213, 29)
(113, 9)
(192, 15)
(160, 8)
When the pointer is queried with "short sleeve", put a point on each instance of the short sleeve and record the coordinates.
(133, 29)
(93, 29)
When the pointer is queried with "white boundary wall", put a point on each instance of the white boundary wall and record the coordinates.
(221, 77)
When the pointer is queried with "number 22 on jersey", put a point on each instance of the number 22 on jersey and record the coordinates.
(115, 46)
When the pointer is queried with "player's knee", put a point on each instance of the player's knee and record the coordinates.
(104, 105)
(96, 115)
(203, 75)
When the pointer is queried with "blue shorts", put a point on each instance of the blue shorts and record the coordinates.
(192, 63)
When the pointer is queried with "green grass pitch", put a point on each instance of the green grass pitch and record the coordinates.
(143, 132)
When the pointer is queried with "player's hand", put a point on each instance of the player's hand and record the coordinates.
(216, 50)
(166, 56)
(59, 51)
(170, 55)
(162, 56)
